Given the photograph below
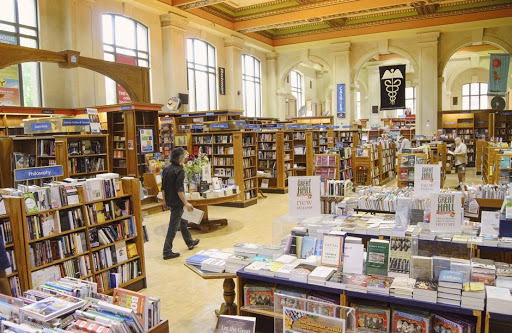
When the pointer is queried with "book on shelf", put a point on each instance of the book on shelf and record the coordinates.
(229, 324)
(259, 296)
(377, 257)
(372, 317)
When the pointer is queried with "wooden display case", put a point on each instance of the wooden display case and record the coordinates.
(82, 156)
(348, 138)
(275, 157)
(327, 166)
(489, 161)
(405, 167)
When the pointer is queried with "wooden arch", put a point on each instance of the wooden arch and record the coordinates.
(134, 79)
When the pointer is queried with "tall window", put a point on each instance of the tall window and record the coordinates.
(20, 85)
(124, 41)
(410, 99)
(474, 96)
(202, 77)
(297, 85)
(251, 79)
(358, 104)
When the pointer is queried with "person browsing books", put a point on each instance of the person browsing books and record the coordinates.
(461, 159)
(173, 194)
(403, 143)
(4, 264)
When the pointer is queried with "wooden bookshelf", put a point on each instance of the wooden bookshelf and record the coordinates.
(503, 173)
(303, 153)
(82, 156)
(347, 138)
(321, 120)
(405, 166)
(183, 122)
(327, 166)
(399, 123)
(363, 165)
(166, 130)
(438, 155)
(489, 162)
(233, 156)
(25, 243)
(124, 125)
(275, 157)
(480, 145)
(320, 141)
(386, 157)
(503, 125)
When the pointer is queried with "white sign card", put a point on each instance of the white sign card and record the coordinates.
(353, 258)
(332, 248)
(490, 225)
(427, 179)
(206, 173)
(94, 120)
(445, 211)
(304, 196)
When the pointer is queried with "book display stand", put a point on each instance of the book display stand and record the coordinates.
(405, 167)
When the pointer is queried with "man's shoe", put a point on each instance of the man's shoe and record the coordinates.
(171, 256)
(194, 244)
(458, 187)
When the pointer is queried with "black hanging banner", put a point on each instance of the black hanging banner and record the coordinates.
(222, 81)
(392, 87)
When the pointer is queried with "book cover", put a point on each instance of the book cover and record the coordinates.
(308, 247)
(445, 324)
(403, 321)
(132, 300)
(52, 307)
(399, 256)
(231, 324)
(259, 296)
(451, 278)
(30, 202)
(372, 319)
(421, 267)
(426, 284)
(377, 257)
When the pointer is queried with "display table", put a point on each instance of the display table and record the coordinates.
(495, 316)
(202, 204)
(228, 307)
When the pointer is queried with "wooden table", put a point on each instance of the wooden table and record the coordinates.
(202, 204)
(228, 307)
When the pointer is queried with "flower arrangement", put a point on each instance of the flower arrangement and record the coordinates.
(194, 165)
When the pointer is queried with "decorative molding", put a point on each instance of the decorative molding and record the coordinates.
(271, 56)
(174, 20)
(234, 41)
(197, 4)
(340, 47)
(427, 37)
(477, 36)
(383, 46)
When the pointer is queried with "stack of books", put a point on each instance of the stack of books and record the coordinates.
(402, 287)
(213, 265)
(473, 296)
(425, 290)
(499, 300)
(483, 270)
(379, 285)
(236, 263)
(246, 249)
(450, 287)
(301, 272)
(320, 274)
(285, 270)
(451, 323)
(196, 259)
(358, 283)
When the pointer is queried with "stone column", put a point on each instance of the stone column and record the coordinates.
(174, 54)
(341, 68)
(269, 97)
(427, 100)
(373, 94)
(233, 49)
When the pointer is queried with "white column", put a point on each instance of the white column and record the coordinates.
(84, 80)
(427, 100)
(233, 49)
(341, 68)
(174, 54)
(270, 98)
(373, 94)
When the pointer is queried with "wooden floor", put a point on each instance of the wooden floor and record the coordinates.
(189, 302)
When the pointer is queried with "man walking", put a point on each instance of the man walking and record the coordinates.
(174, 198)
(461, 159)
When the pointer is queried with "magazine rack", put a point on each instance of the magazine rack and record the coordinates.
(295, 314)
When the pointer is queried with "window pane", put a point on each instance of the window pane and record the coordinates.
(143, 63)
(29, 32)
(190, 50)
(108, 34)
(465, 89)
(483, 88)
(475, 102)
(28, 42)
(10, 86)
(257, 67)
(200, 53)
(125, 32)
(212, 82)
(7, 27)
(142, 55)
(465, 102)
(409, 92)
(142, 37)
(483, 102)
(108, 48)
(109, 57)
(202, 91)
(249, 66)
(7, 11)
(211, 56)
(31, 93)
(126, 52)
(27, 12)
(191, 90)
(475, 88)
(258, 101)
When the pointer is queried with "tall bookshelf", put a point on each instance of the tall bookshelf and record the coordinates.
(82, 156)
(275, 157)
(327, 166)
(320, 141)
(405, 167)
(166, 136)
(347, 138)
(386, 151)
(70, 260)
(479, 155)
(302, 152)
(489, 162)
(124, 125)
(503, 125)
(184, 122)
(233, 157)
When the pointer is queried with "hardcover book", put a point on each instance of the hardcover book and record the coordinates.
(372, 319)
(377, 257)
(229, 324)
(451, 279)
(132, 300)
(403, 321)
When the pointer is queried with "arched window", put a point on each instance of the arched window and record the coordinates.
(202, 77)
(474, 96)
(125, 41)
(297, 86)
(251, 79)
(20, 85)
(410, 99)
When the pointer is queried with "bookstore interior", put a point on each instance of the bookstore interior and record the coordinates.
(357, 159)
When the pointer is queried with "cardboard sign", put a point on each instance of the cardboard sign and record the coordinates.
(332, 249)
(427, 179)
(94, 120)
(304, 196)
(445, 212)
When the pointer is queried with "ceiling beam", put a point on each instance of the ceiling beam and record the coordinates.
(189, 4)
(262, 23)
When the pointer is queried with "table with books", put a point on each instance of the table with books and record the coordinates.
(228, 307)
(202, 204)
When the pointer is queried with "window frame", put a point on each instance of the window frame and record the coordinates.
(480, 95)
(256, 80)
(114, 52)
(212, 91)
(16, 25)
(298, 90)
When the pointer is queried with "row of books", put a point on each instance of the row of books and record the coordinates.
(22, 161)
(222, 150)
(411, 160)
(104, 186)
(42, 198)
(220, 161)
(54, 222)
(118, 275)
(335, 187)
(86, 147)
(6, 230)
(112, 233)
(86, 164)
(103, 211)
(47, 251)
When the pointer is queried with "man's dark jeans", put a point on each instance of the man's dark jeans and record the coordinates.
(174, 222)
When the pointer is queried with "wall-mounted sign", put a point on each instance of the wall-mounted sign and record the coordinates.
(40, 126)
(340, 100)
(147, 140)
(37, 173)
(48, 111)
(221, 125)
(252, 127)
(222, 81)
(76, 122)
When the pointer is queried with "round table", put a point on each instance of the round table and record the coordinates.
(202, 204)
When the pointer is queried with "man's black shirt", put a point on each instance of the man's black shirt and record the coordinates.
(172, 183)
